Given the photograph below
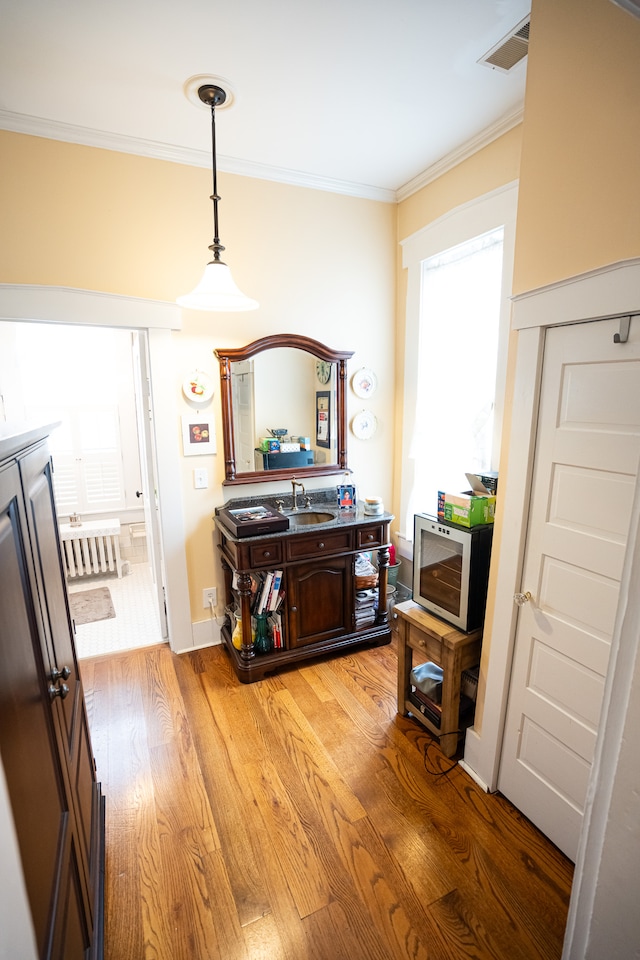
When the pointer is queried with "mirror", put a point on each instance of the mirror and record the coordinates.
(284, 383)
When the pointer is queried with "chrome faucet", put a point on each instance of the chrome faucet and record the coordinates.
(296, 483)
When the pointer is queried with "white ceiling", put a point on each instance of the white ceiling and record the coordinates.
(359, 96)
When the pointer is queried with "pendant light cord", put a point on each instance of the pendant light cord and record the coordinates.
(216, 247)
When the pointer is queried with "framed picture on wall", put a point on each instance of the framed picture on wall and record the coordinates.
(323, 418)
(198, 436)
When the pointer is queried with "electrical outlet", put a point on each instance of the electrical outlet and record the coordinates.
(209, 594)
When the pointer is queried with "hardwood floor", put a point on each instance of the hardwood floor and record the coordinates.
(300, 818)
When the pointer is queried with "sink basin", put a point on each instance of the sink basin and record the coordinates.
(306, 517)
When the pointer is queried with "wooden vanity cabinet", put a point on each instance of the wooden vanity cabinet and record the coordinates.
(320, 588)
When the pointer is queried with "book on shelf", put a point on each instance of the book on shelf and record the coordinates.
(366, 605)
(433, 711)
(275, 590)
(275, 627)
(428, 708)
(264, 595)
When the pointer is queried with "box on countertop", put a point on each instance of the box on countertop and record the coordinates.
(305, 443)
(466, 509)
(269, 444)
(289, 448)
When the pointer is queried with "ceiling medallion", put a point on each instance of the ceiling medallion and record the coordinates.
(193, 84)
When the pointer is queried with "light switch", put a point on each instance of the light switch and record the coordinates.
(200, 479)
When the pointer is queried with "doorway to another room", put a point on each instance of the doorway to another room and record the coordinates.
(92, 380)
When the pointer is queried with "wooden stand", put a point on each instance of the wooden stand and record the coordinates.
(445, 646)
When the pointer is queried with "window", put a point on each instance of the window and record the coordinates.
(459, 279)
(457, 361)
(80, 376)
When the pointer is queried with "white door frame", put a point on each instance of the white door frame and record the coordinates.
(609, 291)
(24, 302)
(613, 290)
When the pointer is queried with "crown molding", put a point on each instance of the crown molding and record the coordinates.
(451, 160)
(70, 133)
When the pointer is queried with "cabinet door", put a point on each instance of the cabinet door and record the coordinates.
(58, 649)
(36, 781)
(320, 595)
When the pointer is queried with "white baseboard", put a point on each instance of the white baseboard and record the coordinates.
(474, 776)
(205, 633)
(468, 762)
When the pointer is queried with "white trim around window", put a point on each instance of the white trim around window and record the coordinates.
(459, 225)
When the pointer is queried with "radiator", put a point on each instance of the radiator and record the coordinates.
(91, 548)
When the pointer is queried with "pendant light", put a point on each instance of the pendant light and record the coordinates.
(217, 289)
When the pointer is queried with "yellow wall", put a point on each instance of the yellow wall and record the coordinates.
(579, 201)
(319, 263)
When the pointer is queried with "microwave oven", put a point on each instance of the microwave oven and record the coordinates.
(451, 570)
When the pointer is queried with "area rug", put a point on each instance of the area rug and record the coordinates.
(87, 606)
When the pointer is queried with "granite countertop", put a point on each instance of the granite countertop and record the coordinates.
(324, 501)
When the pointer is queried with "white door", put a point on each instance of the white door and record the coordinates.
(586, 461)
(242, 398)
(144, 417)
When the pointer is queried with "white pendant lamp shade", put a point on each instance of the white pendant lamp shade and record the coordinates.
(217, 291)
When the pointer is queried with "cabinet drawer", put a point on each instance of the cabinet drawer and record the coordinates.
(424, 643)
(319, 544)
(261, 554)
(371, 537)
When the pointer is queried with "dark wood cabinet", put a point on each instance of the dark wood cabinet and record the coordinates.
(45, 747)
(319, 583)
(320, 600)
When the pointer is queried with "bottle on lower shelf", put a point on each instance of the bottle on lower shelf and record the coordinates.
(263, 642)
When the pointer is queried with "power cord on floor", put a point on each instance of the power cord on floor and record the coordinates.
(440, 773)
(436, 774)
(214, 620)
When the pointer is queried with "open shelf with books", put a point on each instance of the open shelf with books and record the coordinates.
(267, 600)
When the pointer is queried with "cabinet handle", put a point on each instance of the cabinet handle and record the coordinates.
(293, 609)
(266, 554)
(370, 536)
(321, 545)
(63, 674)
(62, 691)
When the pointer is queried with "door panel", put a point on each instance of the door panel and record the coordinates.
(319, 607)
(58, 650)
(586, 462)
(34, 779)
(147, 454)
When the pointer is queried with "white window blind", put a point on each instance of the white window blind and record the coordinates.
(74, 380)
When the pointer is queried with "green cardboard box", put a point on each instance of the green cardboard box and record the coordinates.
(466, 509)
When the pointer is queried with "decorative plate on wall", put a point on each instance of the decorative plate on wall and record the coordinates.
(364, 425)
(198, 387)
(364, 382)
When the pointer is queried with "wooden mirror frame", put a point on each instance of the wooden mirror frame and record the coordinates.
(228, 356)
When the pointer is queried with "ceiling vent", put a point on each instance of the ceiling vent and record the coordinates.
(510, 50)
